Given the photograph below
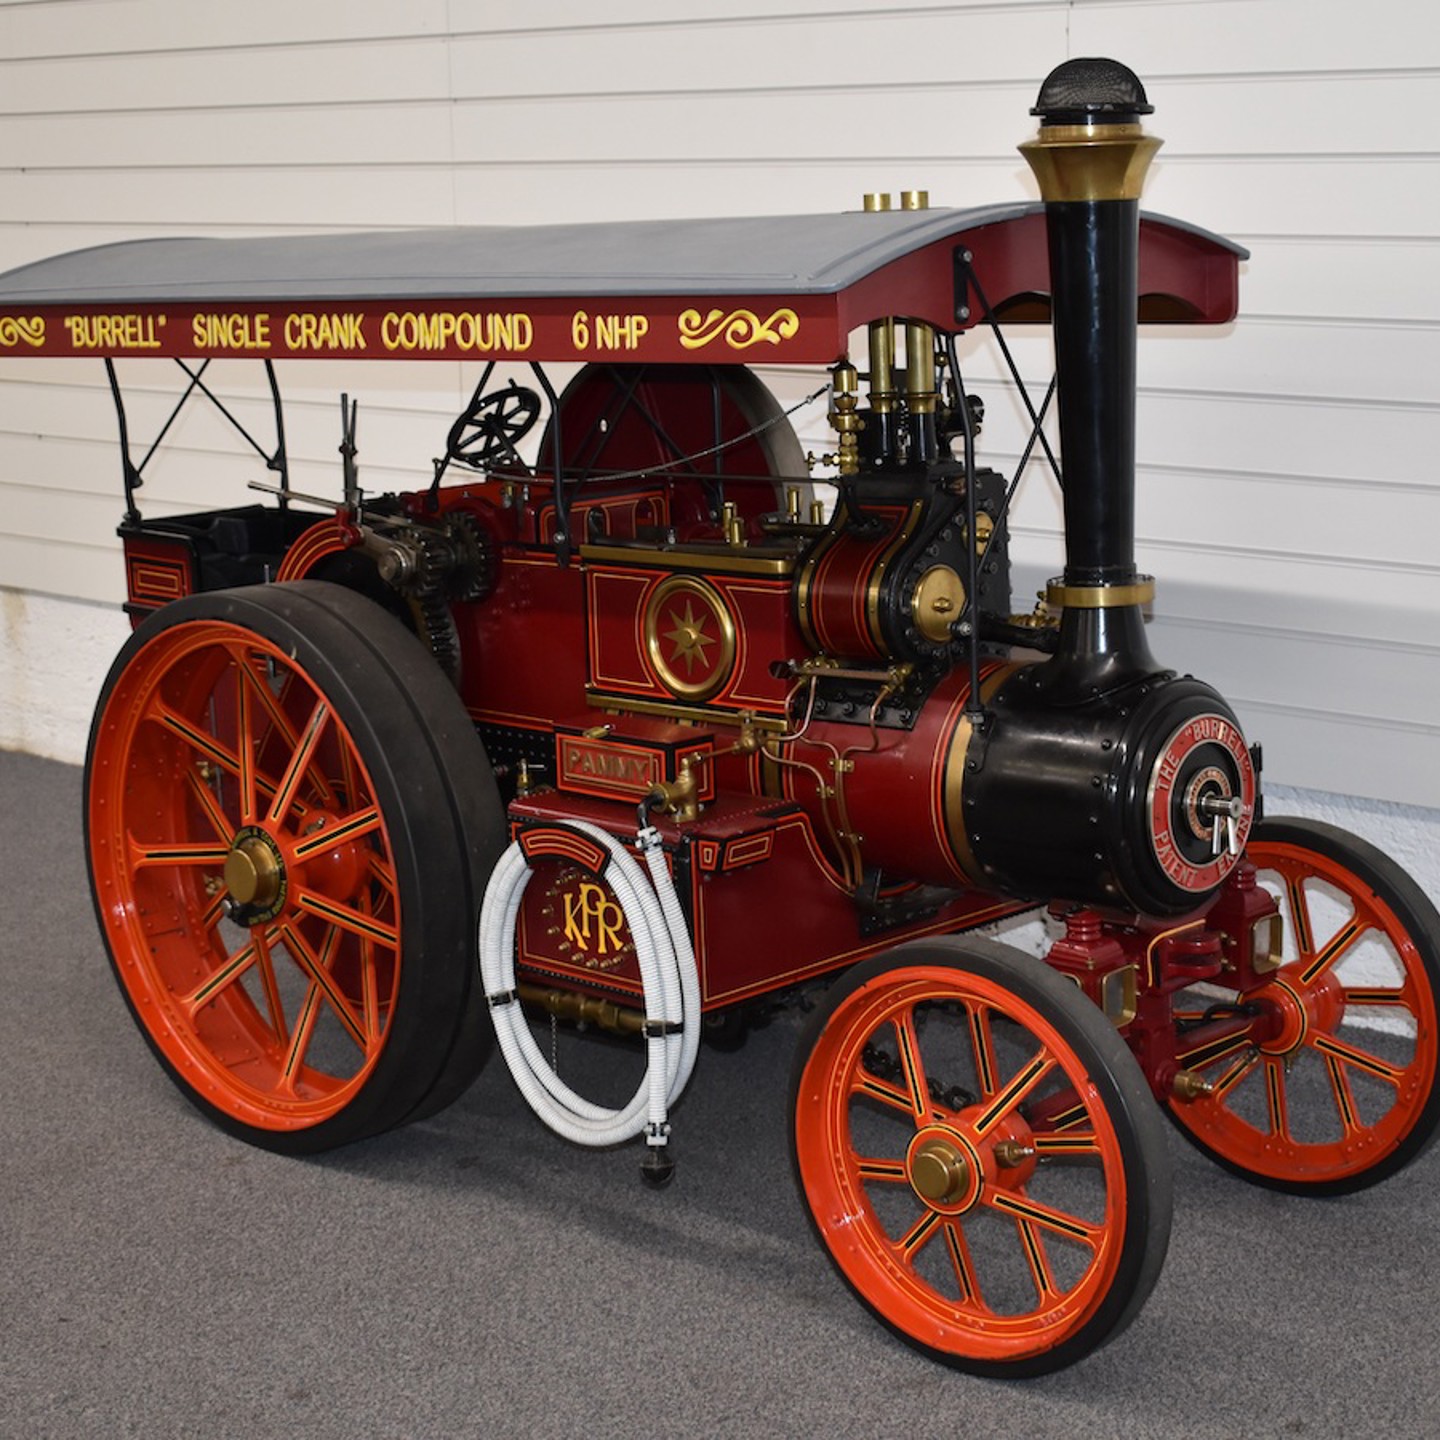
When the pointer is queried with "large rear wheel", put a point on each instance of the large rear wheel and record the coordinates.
(1331, 1087)
(287, 823)
(980, 1156)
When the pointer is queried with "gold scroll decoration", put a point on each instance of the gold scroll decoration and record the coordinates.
(740, 328)
(15, 328)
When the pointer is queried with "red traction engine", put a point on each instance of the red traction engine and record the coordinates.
(686, 741)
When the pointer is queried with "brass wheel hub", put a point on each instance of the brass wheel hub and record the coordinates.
(255, 876)
(938, 1172)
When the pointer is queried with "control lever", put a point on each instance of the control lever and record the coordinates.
(1225, 810)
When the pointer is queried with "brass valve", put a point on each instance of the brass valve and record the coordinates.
(844, 401)
(680, 796)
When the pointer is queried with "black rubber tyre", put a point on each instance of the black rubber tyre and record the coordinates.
(470, 784)
(980, 1156)
(1344, 1094)
(289, 750)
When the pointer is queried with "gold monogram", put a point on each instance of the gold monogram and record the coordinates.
(592, 918)
(741, 328)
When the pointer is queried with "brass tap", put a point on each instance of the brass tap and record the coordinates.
(680, 796)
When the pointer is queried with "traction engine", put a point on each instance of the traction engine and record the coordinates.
(683, 740)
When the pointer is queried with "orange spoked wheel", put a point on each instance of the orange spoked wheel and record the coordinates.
(1330, 1086)
(288, 821)
(980, 1156)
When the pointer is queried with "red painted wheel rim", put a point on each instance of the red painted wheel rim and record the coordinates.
(213, 740)
(1320, 1101)
(919, 1263)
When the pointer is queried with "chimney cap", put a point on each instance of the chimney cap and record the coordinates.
(1091, 91)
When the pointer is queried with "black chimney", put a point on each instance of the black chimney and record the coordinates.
(1090, 159)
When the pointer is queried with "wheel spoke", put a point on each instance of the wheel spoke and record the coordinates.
(266, 967)
(916, 1087)
(353, 827)
(1018, 1088)
(285, 732)
(206, 798)
(895, 1096)
(1340, 1050)
(234, 967)
(369, 982)
(246, 748)
(961, 1261)
(211, 748)
(1344, 1099)
(301, 1036)
(919, 1234)
(1030, 1213)
(983, 1044)
(1236, 1073)
(889, 1171)
(317, 967)
(207, 745)
(300, 760)
(1037, 1260)
(1210, 1051)
(214, 912)
(1050, 1147)
(384, 875)
(1300, 914)
(1338, 944)
(1400, 998)
(1276, 1102)
(365, 926)
(203, 853)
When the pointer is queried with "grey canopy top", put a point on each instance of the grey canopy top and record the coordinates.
(764, 255)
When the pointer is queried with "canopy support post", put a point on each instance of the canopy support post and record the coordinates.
(131, 476)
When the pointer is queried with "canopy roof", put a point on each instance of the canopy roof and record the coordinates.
(778, 288)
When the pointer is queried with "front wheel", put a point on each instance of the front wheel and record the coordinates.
(980, 1156)
(1332, 1086)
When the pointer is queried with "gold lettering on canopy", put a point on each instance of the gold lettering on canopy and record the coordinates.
(231, 332)
(325, 332)
(17, 328)
(114, 332)
(483, 331)
(740, 328)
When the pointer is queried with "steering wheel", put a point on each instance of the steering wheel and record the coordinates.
(491, 426)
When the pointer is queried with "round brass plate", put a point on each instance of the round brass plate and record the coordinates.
(690, 637)
(939, 599)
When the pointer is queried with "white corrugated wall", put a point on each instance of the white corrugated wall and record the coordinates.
(1289, 502)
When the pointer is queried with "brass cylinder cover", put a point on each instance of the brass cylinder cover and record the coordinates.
(936, 605)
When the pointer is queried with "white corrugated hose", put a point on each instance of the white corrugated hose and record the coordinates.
(668, 975)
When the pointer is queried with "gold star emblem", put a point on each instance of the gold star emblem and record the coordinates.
(689, 638)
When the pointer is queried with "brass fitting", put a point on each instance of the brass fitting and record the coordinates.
(844, 400)
(1190, 1085)
(680, 796)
